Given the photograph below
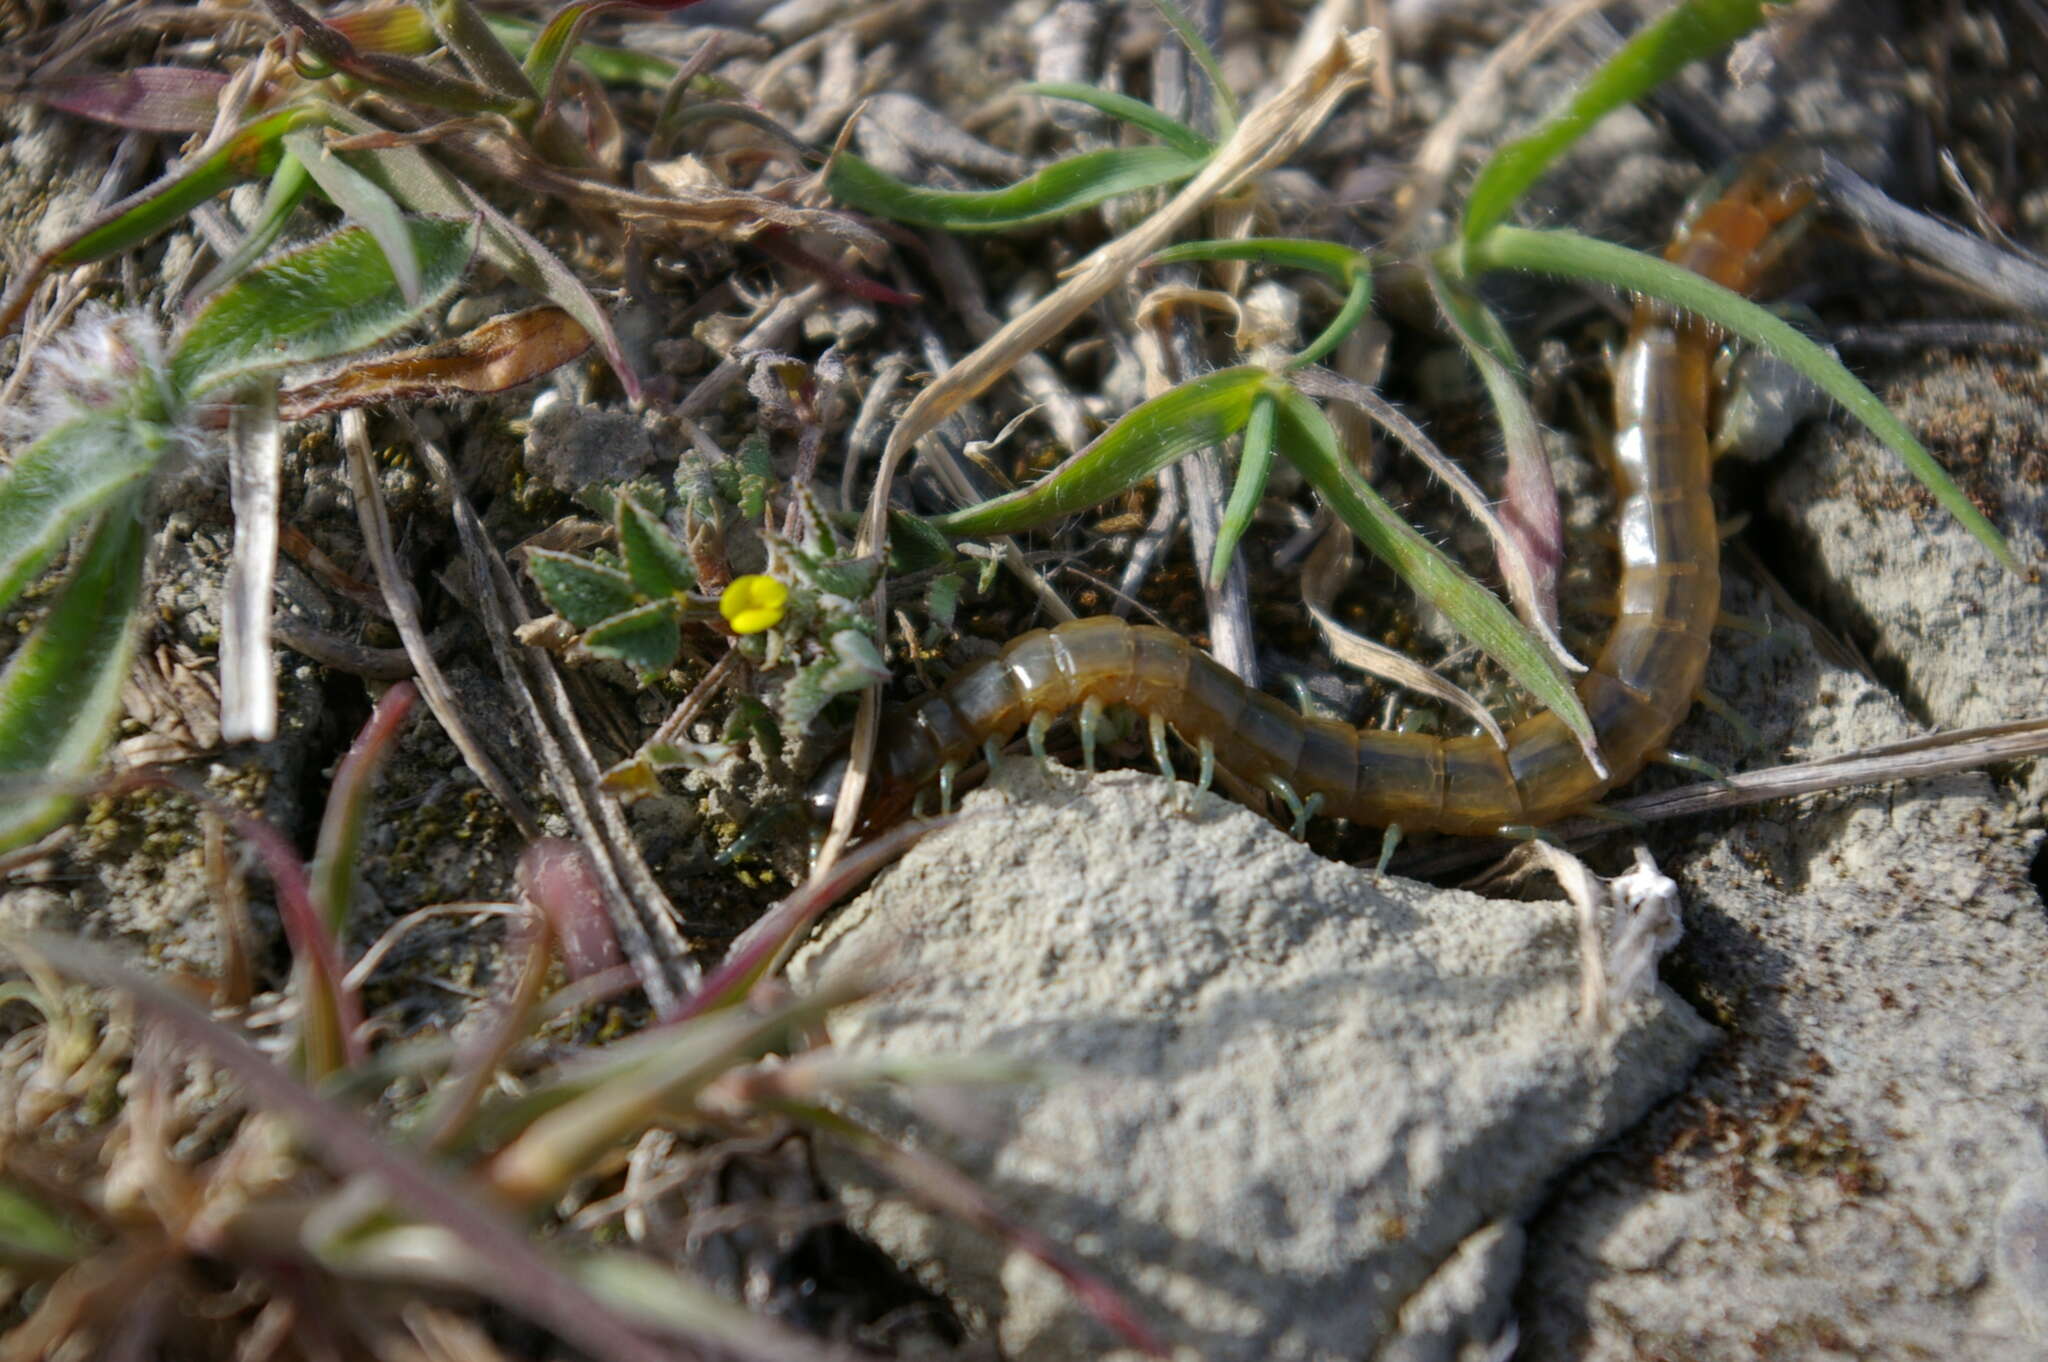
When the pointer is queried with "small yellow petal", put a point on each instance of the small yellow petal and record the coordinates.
(753, 603)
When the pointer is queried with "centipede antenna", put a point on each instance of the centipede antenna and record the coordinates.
(1620, 818)
(1726, 713)
(992, 753)
(947, 773)
(1156, 724)
(1089, 723)
(1390, 838)
(1041, 723)
(1744, 624)
(1207, 771)
(1699, 766)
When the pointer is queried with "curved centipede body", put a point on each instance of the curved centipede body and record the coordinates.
(1642, 684)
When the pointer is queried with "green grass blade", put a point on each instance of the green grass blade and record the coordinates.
(1198, 413)
(1254, 466)
(317, 302)
(1357, 303)
(1061, 188)
(337, 859)
(359, 197)
(289, 185)
(1695, 29)
(1135, 112)
(58, 481)
(1305, 437)
(1327, 258)
(61, 691)
(1205, 57)
(611, 65)
(1571, 256)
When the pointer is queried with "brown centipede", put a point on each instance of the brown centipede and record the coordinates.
(1643, 682)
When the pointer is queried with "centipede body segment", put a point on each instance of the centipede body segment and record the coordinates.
(1636, 692)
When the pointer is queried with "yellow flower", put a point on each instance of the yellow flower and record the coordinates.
(753, 603)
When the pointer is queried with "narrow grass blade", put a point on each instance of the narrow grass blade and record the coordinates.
(1201, 412)
(611, 65)
(248, 676)
(1135, 112)
(61, 690)
(1205, 57)
(1350, 270)
(289, 185)
(54, 484)
(1695, 29)
(1572, 256)
(1061, 188)
(317, 302)
(469, 37)
(1254, 466)
(336, 864)
(145, 98)
(1306, 438)
(358, 197)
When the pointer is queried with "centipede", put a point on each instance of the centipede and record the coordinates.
(1643, 682)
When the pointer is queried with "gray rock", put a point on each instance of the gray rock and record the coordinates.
(571, 448)
(1291, 1091)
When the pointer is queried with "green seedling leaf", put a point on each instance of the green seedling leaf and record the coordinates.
(317, 302)
(1351, 270)
(61, 690)
(1304, 435)
(358, 197)
(1254, 466)
(1695, 29)
(1062, 188)
(289, 185)
(914, 544)
(611, 65)
(550, 50)
(1205, 57)
(469, 36)
(34, 1237)
(336, 862)
(1135, 112)
(1572, 256)
(646, 639)
(1201, 412)
(580, 591)
(654, 560)
(54, 484)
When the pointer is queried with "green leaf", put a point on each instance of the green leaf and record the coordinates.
(1695, 29)
(61, 691)
(915, 544)
(580, 591)
(1061, 188)
(1571, 256)
(359, 197)
(611, 65)
(1203, 411)
(646, 639)
(54, 484)
(1135, 112)
(33, 1235)
(289, 185)
(314, 303)
(1339, 263)
(655, 562)
(1254, 466)
(1305, 437)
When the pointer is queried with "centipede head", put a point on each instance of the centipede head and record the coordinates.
(905, 761)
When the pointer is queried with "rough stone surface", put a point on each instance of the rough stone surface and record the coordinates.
(572, 448)
(1291, 1091)
(1971, 651)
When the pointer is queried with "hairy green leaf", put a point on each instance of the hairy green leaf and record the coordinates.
(1695, 29)
(1305, 437)
(1572, 256)
(1201, 412)
(1061, 188)
(1135, 112)
(655, 562)
(356, 195)
(317, 302)
(580, 591)
(61, 691)
(54, 484)
(646, 639)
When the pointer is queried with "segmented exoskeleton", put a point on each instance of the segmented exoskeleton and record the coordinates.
(1645, 679)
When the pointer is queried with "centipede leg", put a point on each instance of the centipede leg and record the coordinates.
(1726, 713)
(1390, 838)
(1089, 724)
(1206, 773)
(1156, 725)
(992, 753)
(1041, 724)
(1302, 809)
(1699, 766)
(947, 774)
